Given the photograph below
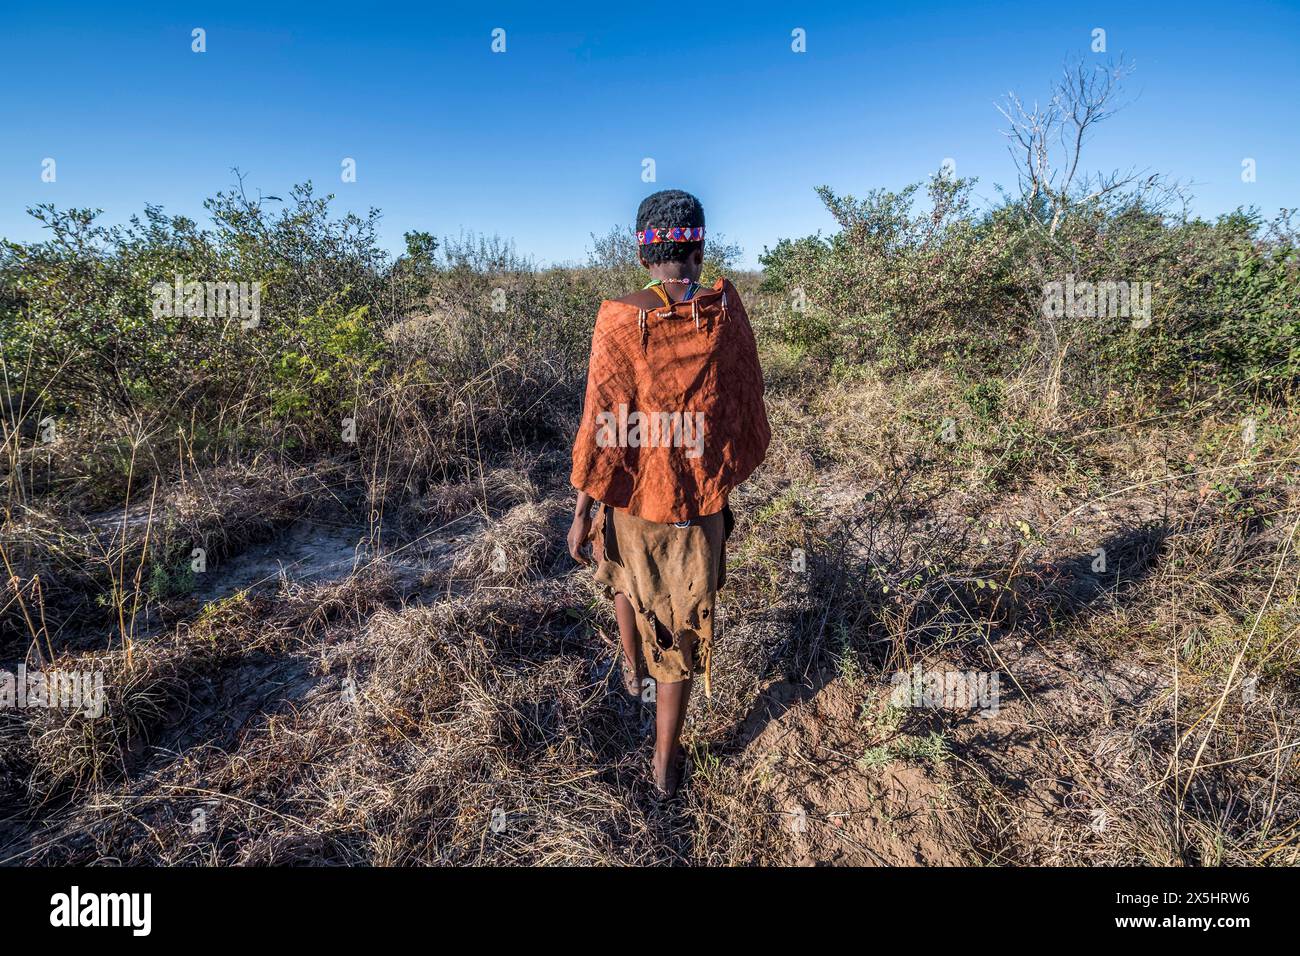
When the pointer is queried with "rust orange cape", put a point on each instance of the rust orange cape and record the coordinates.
(696, 359)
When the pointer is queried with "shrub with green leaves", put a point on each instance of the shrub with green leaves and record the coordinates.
(902, 288)
(89, 339)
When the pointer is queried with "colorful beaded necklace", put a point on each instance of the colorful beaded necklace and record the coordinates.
(691, 288)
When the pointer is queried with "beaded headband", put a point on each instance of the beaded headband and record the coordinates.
(675, 234)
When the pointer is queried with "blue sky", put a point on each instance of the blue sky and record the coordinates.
(544, 143)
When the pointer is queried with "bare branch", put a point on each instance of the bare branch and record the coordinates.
(1046, 142)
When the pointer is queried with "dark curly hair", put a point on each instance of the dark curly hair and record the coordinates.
(663, 210)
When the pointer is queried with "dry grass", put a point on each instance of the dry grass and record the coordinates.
(472, 715)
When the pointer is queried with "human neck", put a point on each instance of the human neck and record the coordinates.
(675, 270)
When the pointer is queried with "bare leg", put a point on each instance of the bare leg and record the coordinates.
(632, 670)
(670, 717)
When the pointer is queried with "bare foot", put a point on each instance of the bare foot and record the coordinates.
(633, 675)
(667, 777)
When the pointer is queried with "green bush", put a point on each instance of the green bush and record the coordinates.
(87, 334)
(901, 288)
(895, 286)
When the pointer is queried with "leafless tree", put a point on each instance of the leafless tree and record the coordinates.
(1046, 140)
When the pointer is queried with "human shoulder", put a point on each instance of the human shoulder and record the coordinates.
(649, 299)
(615, 317)
(640, 299)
